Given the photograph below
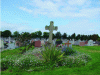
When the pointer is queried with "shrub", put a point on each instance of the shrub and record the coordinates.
(85, 56)
(68, 51)
(58, 40)
(72, 61)
(5, 63)
(51, 55)
(76, 61)
(27, 61)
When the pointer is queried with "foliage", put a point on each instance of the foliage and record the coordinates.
(58, 35)
(94, 37)
(73, 36)
(6, 33)
(99, 39)
(58, 40)
(16, 34)
(64, 36)
(68, 51)
(46, 35)
(24, 38)
(52, 55)
(79, 60)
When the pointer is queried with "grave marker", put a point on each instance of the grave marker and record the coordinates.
(90, 43)
(67, 44)
(82, 44)
(51, 28)
(37, 43)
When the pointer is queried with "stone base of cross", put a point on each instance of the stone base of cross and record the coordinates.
(51, 28)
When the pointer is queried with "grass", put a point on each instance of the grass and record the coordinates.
(91, 68)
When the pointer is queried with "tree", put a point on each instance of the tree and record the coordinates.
(73, 36)
(6, 33)
(46, 35)
(58, 35)
(78, 37)
(64, 36)
(0, 33)
(94, 37)
(99, 39)
(24, 38)
(69, 37)
(16, 34)
(33, 35)
(53, 35)
(39, 33)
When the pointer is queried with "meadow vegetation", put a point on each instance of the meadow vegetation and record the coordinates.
(50, 59)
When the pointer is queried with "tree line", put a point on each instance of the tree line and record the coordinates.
(58, 35)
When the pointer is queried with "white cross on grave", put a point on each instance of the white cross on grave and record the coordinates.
(51, 28)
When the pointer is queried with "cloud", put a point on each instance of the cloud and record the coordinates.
(80, 27)
(21, 27)
(25, 9)
(62, 9)
(77, 2)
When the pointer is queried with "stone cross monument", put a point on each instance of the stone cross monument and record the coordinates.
(51, 28)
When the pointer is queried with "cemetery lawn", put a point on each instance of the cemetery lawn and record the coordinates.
(92, 67)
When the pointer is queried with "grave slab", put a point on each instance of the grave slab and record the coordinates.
(37, 43)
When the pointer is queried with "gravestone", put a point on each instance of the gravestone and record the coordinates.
(9, 39)
(90, 43)
(11, 46)
(96, 43)
(73, 41)
(77, 42)
(51, 28)
(42, 42)
(68, 44)
(54, 42)
(82, 43)
(37, 43)
(64, 41)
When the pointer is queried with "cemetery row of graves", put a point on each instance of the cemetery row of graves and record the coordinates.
(12, 44)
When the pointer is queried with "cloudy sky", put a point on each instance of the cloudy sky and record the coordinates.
(71, 16)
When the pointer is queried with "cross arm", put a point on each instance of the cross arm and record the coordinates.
(56, 28)
(46, 27)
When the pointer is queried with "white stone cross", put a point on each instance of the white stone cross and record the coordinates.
(51, 28)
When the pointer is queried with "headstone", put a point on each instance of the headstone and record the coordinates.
(86, 42)
(90, 43)
(64, 41)
(51, 28)
(37, 43)
(82, 44)
(96, 43)
(68, 44)
(73, 41)
(9, 39)
(42, 42)
(77, 42)
(54, 42)
(11, 46)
